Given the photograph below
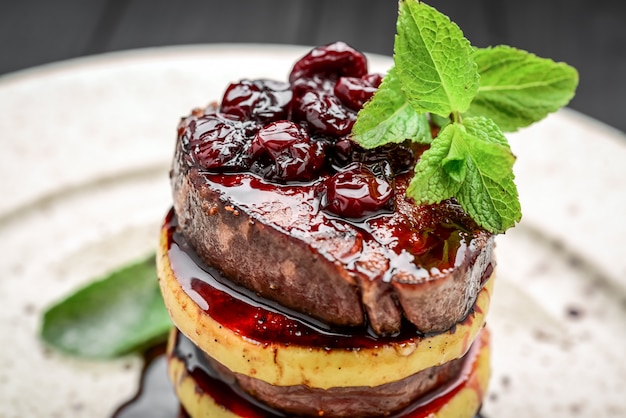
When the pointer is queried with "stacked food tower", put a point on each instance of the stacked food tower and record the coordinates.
(311, 266)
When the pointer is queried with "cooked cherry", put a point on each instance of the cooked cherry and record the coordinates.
(330, 61)
(355, 193)
(263, 100)
(342, 152)
(276, 137)
(302, 163)
(284, 152)
(388, 160)
(355, 91)
(323, 113)
(217, 142)
(400, 157)
(302, 85)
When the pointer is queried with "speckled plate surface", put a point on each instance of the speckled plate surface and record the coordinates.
(86, 146)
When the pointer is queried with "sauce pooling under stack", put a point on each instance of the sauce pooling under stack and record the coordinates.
(301, 279)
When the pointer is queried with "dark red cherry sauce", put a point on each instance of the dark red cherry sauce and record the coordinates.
(155, 397)
(421, 242)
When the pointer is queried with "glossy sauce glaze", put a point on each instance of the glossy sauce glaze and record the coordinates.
(155, 397)
(422, 241)
(259, 319)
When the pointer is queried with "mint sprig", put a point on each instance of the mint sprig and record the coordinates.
(479, 93)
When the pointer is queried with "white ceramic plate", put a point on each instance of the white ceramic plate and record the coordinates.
(86, 146)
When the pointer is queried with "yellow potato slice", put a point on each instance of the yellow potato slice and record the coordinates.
(464, 402)
(283, 365)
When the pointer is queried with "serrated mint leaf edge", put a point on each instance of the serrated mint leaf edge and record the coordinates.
(482, 133)
(431, 183)
(512, 118)
(386, 130)
(459, 88)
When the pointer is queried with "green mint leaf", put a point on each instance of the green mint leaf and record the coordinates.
(473, 163)
(454, 163)
(432, 183)
(119, 313)
(440, 74)
(489, 194)
(435, 62)
(518, 88)
(388, 117)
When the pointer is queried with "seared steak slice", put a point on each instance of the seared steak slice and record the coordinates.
(426, 264)
(269, 188)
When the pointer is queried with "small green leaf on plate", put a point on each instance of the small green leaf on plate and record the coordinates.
(112, 316)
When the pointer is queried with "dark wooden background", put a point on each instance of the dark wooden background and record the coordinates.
(590, 35)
